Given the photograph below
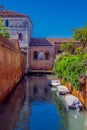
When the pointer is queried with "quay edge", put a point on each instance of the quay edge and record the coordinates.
(81, 95)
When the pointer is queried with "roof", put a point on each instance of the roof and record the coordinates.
(49, 41)
(8, 13)
(39, 42)
(54, 41)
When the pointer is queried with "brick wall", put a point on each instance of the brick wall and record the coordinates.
(41, 64)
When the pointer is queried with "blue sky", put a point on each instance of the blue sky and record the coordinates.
(51, 18)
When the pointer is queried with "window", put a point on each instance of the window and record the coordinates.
(7, 23)
(25, 24)
(47, 55)
(11, 23)
(35, 55)
(20, 36)
(16, 23)
(41, 56)
(20, 23)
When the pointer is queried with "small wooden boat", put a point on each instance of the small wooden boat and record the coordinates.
(73, 102)
(54, 83)
(53, 89)
(62, 90)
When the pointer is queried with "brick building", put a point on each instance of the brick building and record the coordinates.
(41, 54)
(56, 42)
(42, 51)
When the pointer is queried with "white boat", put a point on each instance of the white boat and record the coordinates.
(54, 82)
(73, 102)
(62, 89)
(53, 89)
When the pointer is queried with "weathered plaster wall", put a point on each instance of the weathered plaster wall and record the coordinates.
(12, 66)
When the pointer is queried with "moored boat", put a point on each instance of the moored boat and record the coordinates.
(54, 83)
(62, 90)
(73, 102)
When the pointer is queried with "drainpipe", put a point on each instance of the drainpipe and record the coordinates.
(27, 52)
(28, 37)
(27, 63)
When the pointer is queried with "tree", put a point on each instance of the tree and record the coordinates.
(78, 50)
(66, 47)
(81, 35)
(3, 30)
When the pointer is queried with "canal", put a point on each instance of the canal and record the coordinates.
(33, 106)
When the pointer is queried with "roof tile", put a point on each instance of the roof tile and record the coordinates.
(8, 13)
(49, 41)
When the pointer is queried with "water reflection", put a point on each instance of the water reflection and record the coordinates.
(10, 108)
(38, 88)
(31, 107)
(71, 119)
(38, 111)
(85, 120)
(23, 121)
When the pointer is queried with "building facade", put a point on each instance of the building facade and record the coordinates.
(19, 26)
(43, 51)
(41, 54)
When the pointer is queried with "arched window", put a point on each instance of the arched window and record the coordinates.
(35, 55)
(47, 55)
(20, 36)
(7, 23)
(41, 56)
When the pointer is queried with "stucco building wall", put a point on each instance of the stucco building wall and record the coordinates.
(19, 26)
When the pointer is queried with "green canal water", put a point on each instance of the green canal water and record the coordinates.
(33, 106)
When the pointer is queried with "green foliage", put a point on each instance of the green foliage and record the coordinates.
(62, 46)
(60, 56)
(66, 47)
(71, 68)
(85, 49)
(81, 35)
(85, 56)
(3, 30)
(78, 50)
(61, 110)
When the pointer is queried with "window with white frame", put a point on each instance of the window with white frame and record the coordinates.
(11, 23)
(41, 55)
(20, 23)
(25, 24)
(16, 23)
